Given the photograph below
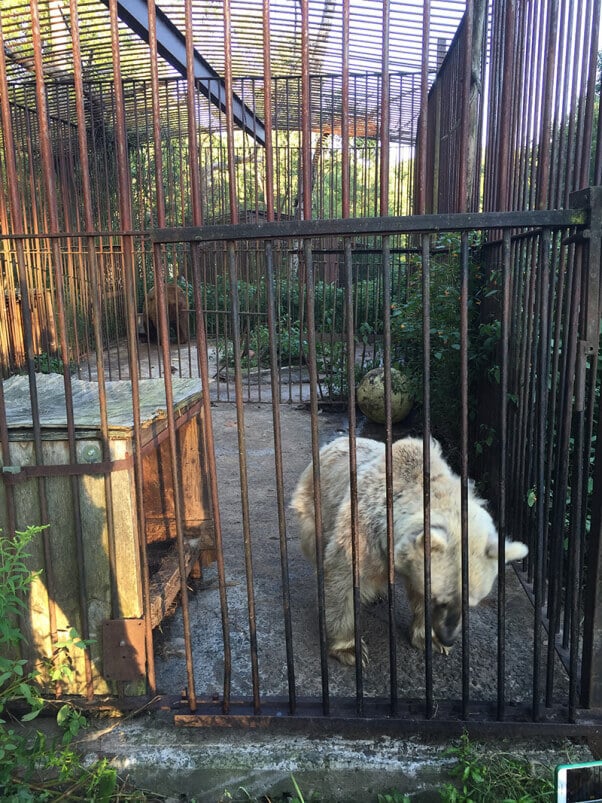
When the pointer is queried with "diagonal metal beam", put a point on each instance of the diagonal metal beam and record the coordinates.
(171, 44)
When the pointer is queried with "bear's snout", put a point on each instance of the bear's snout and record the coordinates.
(447, 619)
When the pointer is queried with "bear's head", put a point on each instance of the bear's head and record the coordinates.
(446, 563)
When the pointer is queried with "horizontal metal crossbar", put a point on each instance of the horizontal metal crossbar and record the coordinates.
(558, 218)
(309, 718)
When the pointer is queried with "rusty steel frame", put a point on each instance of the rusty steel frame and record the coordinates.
(548, 259)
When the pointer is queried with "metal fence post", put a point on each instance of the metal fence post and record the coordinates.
(591, 667)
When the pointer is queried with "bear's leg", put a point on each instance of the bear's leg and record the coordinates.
(340, 624)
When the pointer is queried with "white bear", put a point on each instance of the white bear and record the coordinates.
(408, 538)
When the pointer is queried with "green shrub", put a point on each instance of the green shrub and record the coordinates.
(34, 766)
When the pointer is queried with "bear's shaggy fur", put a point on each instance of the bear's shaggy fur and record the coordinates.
(408, 538)
(177, 313)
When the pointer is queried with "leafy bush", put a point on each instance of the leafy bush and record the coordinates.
(32, 765)
(407, 334)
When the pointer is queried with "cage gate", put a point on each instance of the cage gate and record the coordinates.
(523, 466)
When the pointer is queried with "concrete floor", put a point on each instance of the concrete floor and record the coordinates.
(205, 609)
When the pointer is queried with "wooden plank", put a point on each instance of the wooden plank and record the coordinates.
(165, 583)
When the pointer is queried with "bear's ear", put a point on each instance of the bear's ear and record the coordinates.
(515, 550)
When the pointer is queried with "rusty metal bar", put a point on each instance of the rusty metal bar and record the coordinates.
(11, 173)
(464, 550)
(53, 225)
(125, 215)
(201, 334)
(411, 224)
(543, 176)
(591, 676)
(355, 552)
(589, 74)
(386, 278)
(161, 303)
(591, 662)
(504, 465)
(409, 722)
(502, 177)
(232, 268)
(274, 373)
(90, 245)
(306, 161)
(345, 174)
(467, 33)
(244, 482)
(313, 397)
(426, 470)
(543, 361)
(422, 135)
(556, 536)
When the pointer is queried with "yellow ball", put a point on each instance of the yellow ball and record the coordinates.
(370, 395)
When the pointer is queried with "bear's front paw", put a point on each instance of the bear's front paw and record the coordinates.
(345, 653)
(440, 647)
(417, 641)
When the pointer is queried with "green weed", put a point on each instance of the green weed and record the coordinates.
(33, 766)
(500, 777)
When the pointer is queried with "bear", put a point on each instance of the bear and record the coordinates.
(177, 313)
(408, 538)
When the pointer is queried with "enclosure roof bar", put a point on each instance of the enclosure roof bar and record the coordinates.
(347, 227)
(171, 44)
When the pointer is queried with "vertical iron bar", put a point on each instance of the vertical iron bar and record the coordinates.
(545, 137)
(313, 380)
(386, 278)
(96, 300)
(125, 216)
(589, 72)
(501, 585)
(541, 430)
(575, 540)
(345, 176)
(202, 357)
(160, 284)
(502, 178)
(232, 266)
(244, 482)
(274, 373)
(426, 458)
(350, 333)
(423, 118)
(465, 133)
(591, 661)
(53, 227)
(465, 570)
(17, 228)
